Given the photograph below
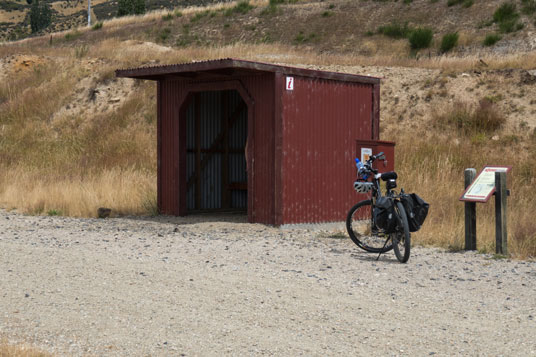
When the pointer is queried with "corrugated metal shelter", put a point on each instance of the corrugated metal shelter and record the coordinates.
(298, 126)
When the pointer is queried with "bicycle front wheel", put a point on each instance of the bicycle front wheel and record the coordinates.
(363, 231)
(401, 238)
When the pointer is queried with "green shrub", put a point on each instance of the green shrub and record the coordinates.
(395, 30)
(54, 212)
(491, 39)
(167, 17)
(177, 13)
(528, 7)
(242, 7)
(408, 2)
(199, 15)
(508, 26)
(421, 38)
(71, 36)
(454, 2)
(164, 34)
(327, 14)
(468, 3)
(505, 12)
(130, 7)
(97, 26)
(301, 37)
(449, 41)
(40, 16)
(507, 18)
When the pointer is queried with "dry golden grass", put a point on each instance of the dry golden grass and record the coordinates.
(125, 191)
(433, 166)
(19, 350)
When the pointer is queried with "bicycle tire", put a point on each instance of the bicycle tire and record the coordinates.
(360, 229)
(402, 237)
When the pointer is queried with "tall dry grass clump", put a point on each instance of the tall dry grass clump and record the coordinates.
(74, 163)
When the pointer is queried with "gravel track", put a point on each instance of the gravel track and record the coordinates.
(196, 286)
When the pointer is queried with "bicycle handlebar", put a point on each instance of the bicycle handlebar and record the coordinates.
(367, 166)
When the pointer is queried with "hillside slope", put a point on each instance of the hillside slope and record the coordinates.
(74, 138)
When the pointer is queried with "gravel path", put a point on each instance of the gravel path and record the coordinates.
(174, 286)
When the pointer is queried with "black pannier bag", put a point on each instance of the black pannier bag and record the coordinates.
(416, 210)
(384, 214)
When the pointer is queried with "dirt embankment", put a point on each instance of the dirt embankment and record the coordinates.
(203, 286)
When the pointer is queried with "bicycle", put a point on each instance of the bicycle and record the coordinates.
(380, 223)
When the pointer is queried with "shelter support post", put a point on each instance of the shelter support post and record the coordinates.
(470, 214)
(500, 213)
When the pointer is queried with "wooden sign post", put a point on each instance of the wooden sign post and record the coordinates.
(490, 181)
(470, 214)
(501, 234)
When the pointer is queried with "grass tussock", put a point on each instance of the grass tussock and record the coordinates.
(471, 119)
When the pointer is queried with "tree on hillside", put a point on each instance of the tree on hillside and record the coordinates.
(130, 7)
(40, 15)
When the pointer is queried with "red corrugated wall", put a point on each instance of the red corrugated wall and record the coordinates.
(320, 121)
(171, 146)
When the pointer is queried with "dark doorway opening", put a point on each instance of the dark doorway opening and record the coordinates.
(216, 133)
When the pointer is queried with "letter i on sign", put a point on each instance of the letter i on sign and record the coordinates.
(290, 83)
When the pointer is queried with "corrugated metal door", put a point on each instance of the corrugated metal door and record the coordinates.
(216, 131)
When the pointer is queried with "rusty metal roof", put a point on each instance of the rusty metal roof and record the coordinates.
(229, 67)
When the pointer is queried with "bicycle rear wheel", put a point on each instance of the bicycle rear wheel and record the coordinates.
(363, 231)
(401, 238)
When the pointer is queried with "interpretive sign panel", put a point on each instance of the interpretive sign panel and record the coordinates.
(483, 187)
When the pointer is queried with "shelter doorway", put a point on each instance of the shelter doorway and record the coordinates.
(216, 134)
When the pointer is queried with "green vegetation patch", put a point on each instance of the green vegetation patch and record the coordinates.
(421, 38)
(449, 41)
(395, 30)
(167, 17)
(243, 7)
(301, 37)
(73, 35)
(164, 34)
(491, 39)
(97, 26)
(130, 7)
(507, 17)
(505, 12)
(464, 3)
(7, 5)
(528, 7)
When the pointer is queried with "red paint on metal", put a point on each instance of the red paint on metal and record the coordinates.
(321, 121)
(301, 142)
(376, 112)
(387, 147)
(159, 143)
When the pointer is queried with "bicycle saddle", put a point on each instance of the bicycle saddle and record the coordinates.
(391, 175)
